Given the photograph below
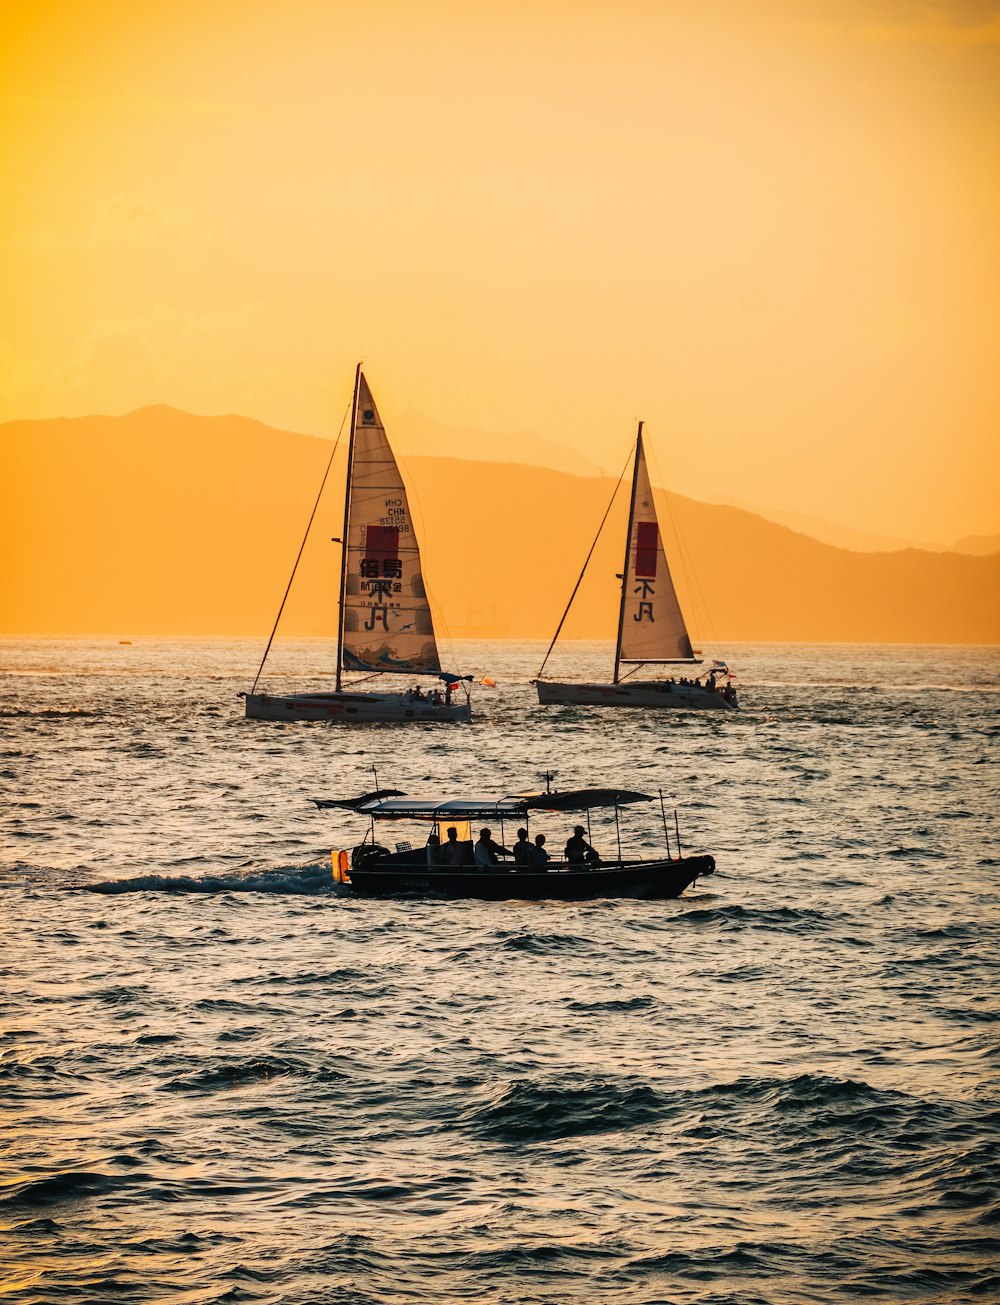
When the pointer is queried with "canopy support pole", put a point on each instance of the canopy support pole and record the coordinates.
(666, 835)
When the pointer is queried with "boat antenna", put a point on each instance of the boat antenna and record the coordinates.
(336, 445)
(375, 773)
(666, 835)
(628, 549)
(618, 831)
(583, 572)
(677, 829)
(347, 526)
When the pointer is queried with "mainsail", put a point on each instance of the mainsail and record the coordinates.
(386, 618)
(651, 628)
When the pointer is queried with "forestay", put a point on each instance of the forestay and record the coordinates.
(387, 623)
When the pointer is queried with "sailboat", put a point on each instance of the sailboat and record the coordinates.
(384, 621)
(651, 626)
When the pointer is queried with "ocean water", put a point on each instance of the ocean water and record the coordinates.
(222, 1081)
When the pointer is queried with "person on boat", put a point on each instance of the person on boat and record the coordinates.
(539, 857)
(487, 852)
(578, 850)
(522, 850)
(433, 850)
(453, 852)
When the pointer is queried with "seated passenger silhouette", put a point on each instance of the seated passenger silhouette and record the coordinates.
(487, 852)
(539, 858)
(578, 850)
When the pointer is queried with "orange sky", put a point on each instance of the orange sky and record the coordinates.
(769, 229)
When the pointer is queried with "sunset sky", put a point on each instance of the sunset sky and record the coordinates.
(768, 229)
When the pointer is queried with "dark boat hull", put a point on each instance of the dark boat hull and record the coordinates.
(388, 877)
(353, 707)
(633, 693)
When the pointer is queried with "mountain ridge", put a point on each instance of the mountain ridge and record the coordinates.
(162, 522)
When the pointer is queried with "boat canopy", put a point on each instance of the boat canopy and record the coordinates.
(484, 808)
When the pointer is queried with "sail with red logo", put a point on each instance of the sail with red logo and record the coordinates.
(387, 624)
(384, 619)
(651, 625)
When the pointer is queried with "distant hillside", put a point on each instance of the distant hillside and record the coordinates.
(411, 431)
(978, 545)
(164, 523)
(828, 532)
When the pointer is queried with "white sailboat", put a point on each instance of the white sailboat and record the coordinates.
(651, 626)
(384, 624)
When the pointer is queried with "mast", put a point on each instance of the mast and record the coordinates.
(628, 550)
(347, 518)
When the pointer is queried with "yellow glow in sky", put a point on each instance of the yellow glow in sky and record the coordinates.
(770, 230)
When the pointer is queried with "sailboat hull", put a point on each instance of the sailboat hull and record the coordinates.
(353, 708)
(396, 874)
(634, 693)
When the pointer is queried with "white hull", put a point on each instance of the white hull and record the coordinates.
(352, 707)
(633, 693)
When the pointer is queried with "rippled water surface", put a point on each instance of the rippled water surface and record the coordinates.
(221, 1081)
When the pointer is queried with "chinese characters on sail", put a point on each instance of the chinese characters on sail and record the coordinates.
(382, 568)
(644, 574)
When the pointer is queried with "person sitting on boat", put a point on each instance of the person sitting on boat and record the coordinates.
(433, 850)
(578, 850)
(453, 852)
(522, 850)
(487, 852)
(539, 858)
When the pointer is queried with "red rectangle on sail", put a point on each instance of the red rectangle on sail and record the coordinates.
(381, 543)
(646, 540)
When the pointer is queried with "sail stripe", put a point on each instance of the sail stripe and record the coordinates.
(647, 538)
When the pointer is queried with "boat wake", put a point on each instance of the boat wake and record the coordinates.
(310, 880)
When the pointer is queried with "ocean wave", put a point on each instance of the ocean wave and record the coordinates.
(735, 916)
(522, 1112)
(48, 713)
(60, 1188)
(542, 944)
(612, 1004)
(228, 1075)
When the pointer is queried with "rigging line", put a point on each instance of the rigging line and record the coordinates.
(438, 621)
(699, 602)
(336, 445)
(700, 611)
(585, 565)
(633, 671)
